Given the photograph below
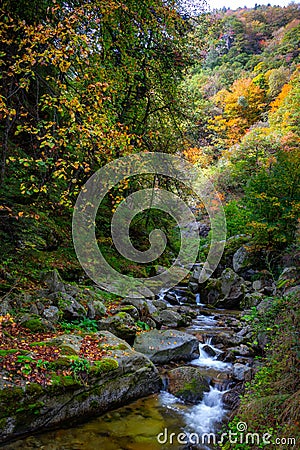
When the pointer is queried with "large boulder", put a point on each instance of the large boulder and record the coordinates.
(187, 383)
(110, 382)
(241, 259)
(224, 292)
(69, 307)
(164, 346)
(169, 318)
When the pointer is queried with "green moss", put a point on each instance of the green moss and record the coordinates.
(105, 365)
(191, 386)
(94, 404)
(34, 390)
(3, 423)
(127, 308)
(11, 394)
(35, 324)
(122, 315)
(83, 396)
(32, 408)
(122, 347)
(40, 344)
(9, 398)
(61, 382)
(68, 350)
(8, 352)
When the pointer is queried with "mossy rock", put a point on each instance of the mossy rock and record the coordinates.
(34, 390)
(62, 382)
(105, 365)
(34, 324)
(188, 384)
(67, 350)
(9, 398)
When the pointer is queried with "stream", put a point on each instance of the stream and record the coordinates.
(161, 421)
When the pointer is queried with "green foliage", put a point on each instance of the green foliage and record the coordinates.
(85, 324)
(271, 403)
(144, 326)
(250, 316)
(273, 200)
(237, 218)
(79, 367)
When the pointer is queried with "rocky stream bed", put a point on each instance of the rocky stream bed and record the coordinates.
(183, 375)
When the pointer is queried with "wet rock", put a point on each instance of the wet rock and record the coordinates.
(245, 334)
(194, 287)
(172, 298)
(224, 292)
(226, 338)
(232, 398)
(209, 350)
(188, 384)
(243, 350)
(164, 346)
(242, 372)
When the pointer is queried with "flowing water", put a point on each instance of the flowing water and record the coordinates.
(158, 422)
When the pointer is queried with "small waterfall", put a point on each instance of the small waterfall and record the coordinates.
(198, 300)
(161, 294)
(165, 382)
(208, 361)
(205, 417)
